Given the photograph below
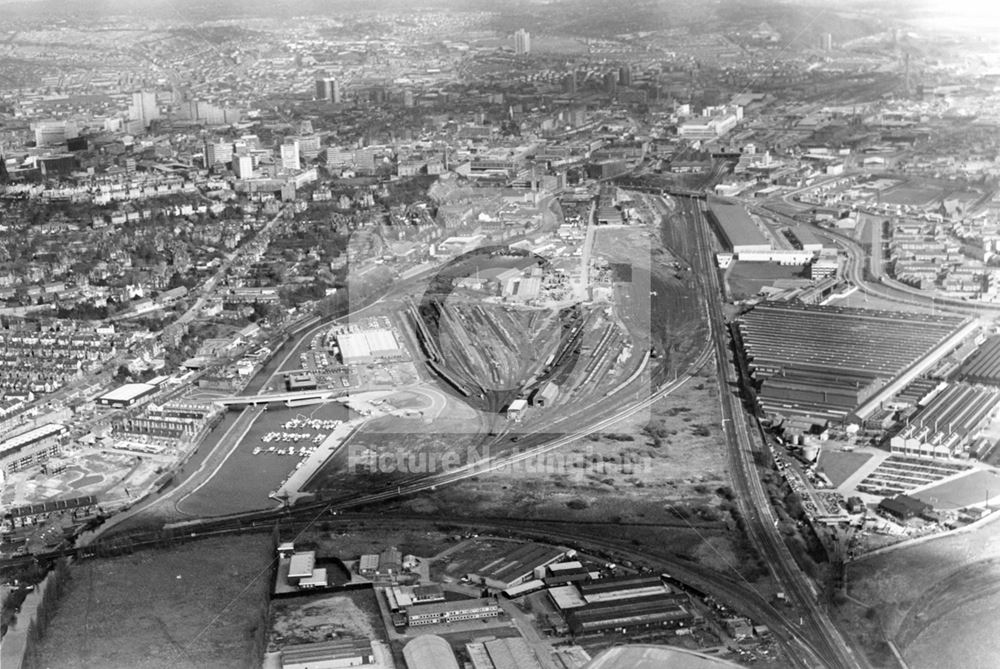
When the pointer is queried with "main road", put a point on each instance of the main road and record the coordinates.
(883, 286)
(829, 649)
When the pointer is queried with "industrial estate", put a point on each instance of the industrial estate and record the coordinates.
(550, 336)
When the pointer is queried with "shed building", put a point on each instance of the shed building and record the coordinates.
(736, 229)
(328, 655)
(301, 565)
(127, 395)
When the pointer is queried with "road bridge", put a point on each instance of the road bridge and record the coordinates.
(256, 400)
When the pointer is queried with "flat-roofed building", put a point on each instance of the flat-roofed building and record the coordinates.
(301, 565)
(566, 597)
(736, 229)
(803, 238)
(300, 382)
(516, 409)
(318, 579)
(368, 346)
(30, 448)
(127, 395)
(445, 612)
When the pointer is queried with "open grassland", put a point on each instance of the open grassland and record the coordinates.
(931, 599)
(653, 480)
(647, 468)
(350, 541)
(199, 605)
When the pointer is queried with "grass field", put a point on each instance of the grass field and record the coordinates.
(349, 542)
(197, 605)
(665, 472)
(637, 471)
(964, 491)
(911, 195)
(839, 465)
(931, 598)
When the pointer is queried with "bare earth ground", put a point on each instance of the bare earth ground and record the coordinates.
(195, 605)
(324, 618)
(931, 599)
(667, 472)
(636, 472)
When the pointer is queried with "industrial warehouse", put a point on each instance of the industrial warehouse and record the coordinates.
(983, 366)
(824, 363)
(744, 239)
(522, 563)
(950, 423)
(737, 231)
(366, 346)
(621, 605)
(30, 448)
(130, 394)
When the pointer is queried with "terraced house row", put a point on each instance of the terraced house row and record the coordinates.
(34, 361)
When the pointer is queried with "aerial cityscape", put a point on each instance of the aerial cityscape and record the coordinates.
(556, 334)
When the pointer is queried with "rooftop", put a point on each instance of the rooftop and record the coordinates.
(736, 224)
(128, 392)
(301, 565)
(30, 437)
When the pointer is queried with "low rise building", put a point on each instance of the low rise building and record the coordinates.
(30, 448)
(446, 612)
(336, 654)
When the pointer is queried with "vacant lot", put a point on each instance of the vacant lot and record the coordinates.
(348, 541)
(655, 480)
(643, 469)
(197, 605)
(310, 619)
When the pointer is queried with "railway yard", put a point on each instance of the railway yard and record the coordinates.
(502, 352)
